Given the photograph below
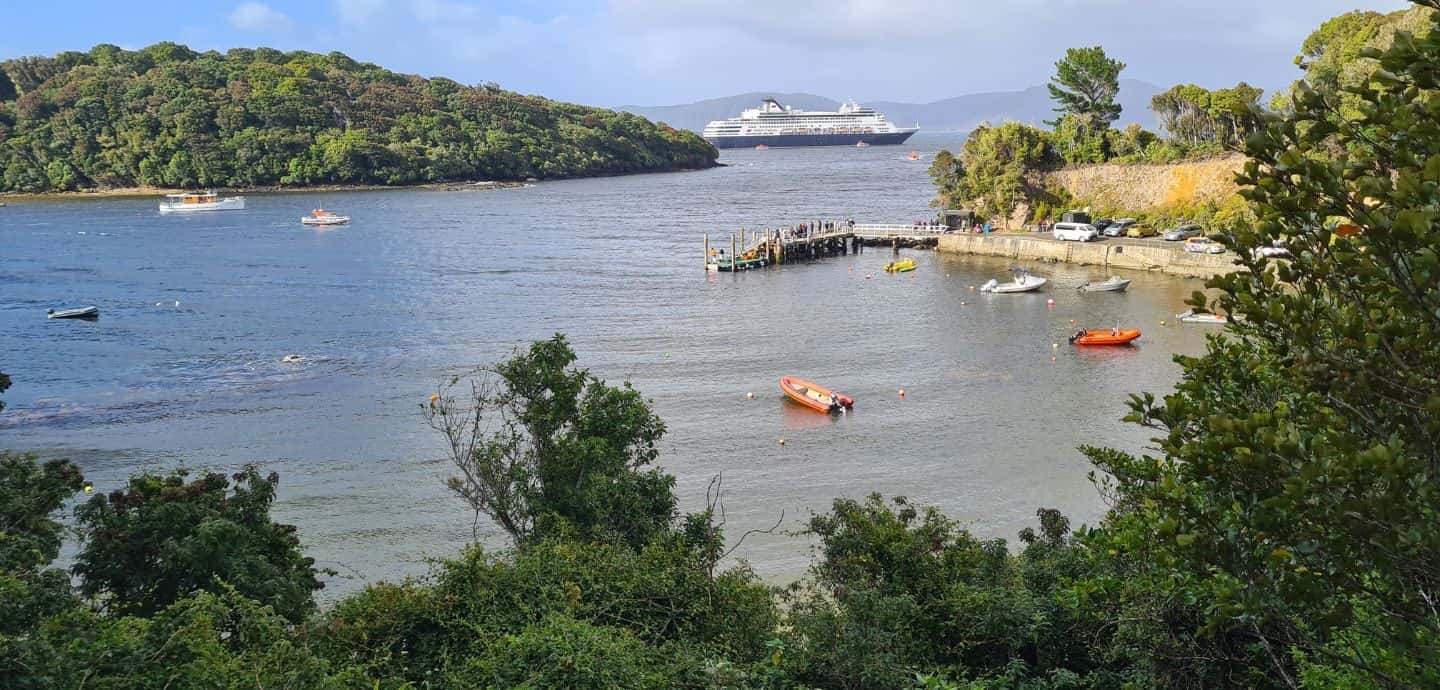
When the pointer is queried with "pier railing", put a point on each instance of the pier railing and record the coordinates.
(897, 230)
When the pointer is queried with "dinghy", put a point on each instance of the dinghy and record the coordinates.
(813, 396)
(1114, 284)
(1023, 282)
(1113, 336)
(1205, 317)
(80, 313)
(320, 216)
(901, 266)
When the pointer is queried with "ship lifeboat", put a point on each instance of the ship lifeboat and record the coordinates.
(860, 144)
(1114, 336)
(814, 396)
(761, 147)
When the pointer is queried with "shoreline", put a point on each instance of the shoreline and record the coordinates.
(465, 186)
(143, 191)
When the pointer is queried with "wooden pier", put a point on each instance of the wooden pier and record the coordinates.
(809, 241)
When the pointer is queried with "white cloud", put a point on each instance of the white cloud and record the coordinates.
(358, 12)
(257, 16)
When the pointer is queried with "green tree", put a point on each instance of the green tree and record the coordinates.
(1085, 84)
(545, 449)
(993, 173)
(162, 539)
(205, 640)
(1295, 500)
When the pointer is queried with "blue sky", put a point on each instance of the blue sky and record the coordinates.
(656, 52)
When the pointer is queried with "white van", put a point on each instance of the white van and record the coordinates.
(1076, 232)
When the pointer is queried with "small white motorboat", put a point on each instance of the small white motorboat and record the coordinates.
(1022, 282)
(320, 216)
(200, 201)
(1114, 284)
(1192, 316)
(79, 313)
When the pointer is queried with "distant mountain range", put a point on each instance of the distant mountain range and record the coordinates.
(958, 114)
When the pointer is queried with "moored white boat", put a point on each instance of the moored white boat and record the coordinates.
(1114, 284)
(1023, 282)
(320, 216)
(1192, 316)
(190, 202)
(78, 313)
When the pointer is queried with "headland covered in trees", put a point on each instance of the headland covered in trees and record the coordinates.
(168, 116)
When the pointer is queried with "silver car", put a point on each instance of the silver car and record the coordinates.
(1118, 228)
(1184, 232)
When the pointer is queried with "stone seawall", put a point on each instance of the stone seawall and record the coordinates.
(1170, 259)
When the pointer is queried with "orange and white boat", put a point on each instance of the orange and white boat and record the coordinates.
(814, 396)
(913, 155)
(320, 216)
(1113, 336)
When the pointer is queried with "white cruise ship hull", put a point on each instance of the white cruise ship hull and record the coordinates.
(233, 203)
(785, 140)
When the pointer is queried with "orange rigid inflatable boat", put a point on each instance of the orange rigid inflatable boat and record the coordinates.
(1105, 337)
(813, 396)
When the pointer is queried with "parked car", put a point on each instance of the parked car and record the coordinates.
(1203, 245)
(1118, 228)
(1183, 232)
(1102, 223)
(1078, 232)
(1140, 231)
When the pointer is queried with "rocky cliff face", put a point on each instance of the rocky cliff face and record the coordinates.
(1139, 187)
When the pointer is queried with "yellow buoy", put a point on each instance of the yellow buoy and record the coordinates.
(749, 396)
(1162, 322)
(782, 441)
(1054, 346)
(902, 392)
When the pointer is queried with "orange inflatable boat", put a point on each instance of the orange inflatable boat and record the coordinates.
(813, 396)
(1105, 337)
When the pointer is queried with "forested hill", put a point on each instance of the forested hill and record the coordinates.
(169, 116)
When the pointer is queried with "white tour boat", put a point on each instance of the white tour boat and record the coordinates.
(190, 202)
(320, 216)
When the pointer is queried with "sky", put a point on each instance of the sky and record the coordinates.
(662, 52)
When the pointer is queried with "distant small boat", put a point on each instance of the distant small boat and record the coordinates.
(901, 266)
(813, 396)
(80, 313)
(1114, 336)
(761, 147)
(320, 216)
(861, 145)
(191, 202)
(1192, 316)
(1023, 282)
(1114, 284)
(913, 155)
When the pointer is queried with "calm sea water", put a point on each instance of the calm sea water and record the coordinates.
(184, 367)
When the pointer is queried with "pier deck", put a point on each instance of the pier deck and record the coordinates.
(760, 248)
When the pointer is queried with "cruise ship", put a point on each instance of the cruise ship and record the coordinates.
(773, 124)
